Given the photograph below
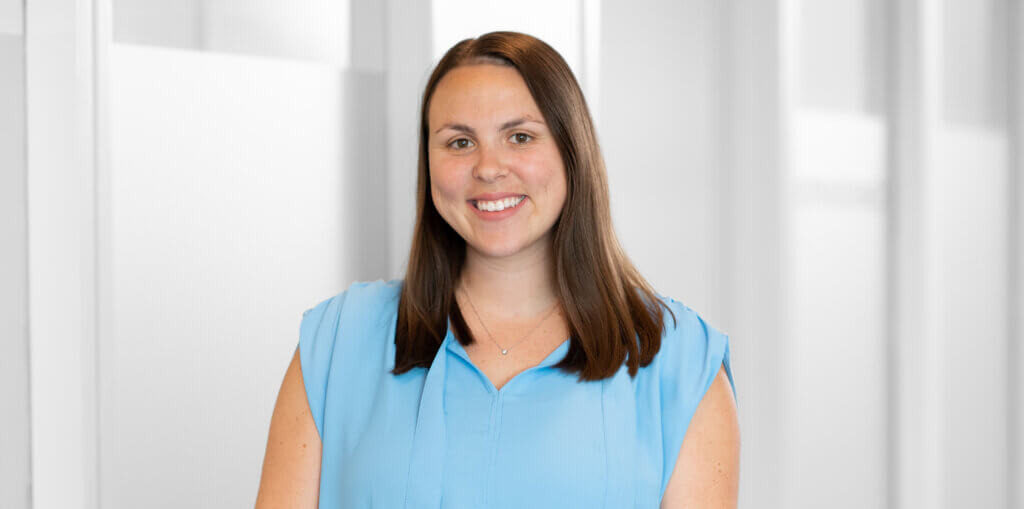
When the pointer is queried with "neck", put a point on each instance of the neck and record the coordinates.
(520, 285)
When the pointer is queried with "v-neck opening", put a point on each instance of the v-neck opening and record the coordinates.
(551, 359)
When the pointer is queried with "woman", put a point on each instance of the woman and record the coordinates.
(523, 361)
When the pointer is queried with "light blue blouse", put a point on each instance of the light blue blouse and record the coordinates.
(444, 437)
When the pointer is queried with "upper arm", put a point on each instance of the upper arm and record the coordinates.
(291, 466)
(707, 471)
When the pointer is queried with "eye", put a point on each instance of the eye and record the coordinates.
(521, 138)
(459, 143)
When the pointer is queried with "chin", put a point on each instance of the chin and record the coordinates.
(498, 248)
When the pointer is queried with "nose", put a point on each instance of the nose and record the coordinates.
(489, 167)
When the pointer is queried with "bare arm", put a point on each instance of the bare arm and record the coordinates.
(291, 466)
(706, 474)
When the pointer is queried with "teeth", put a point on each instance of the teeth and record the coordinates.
(497, 205)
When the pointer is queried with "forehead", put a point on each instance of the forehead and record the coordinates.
(481, 93)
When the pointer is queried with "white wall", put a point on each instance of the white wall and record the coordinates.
(238, 184)
(61, 73)
(313, 30)
(659, 100)
(836, 361)
(408, 59)
(755, 130)
(962, 173)
(970, 275)
(1015, 359)
(976, 70)
(12, 17)
(836, 371)
(14, 346)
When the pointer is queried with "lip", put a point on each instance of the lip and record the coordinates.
(496, 215)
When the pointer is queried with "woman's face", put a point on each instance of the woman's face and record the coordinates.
(489, 148)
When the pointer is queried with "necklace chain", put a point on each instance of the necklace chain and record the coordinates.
(504, 351)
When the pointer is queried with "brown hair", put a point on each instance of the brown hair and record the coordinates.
(614, 315)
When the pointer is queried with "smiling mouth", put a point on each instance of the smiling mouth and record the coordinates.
(498, 205)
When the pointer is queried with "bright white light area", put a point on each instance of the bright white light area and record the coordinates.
(842, 146)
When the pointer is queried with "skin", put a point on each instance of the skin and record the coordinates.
(509, 277)
(473, 148)
(291, 464)
(706, 474)
(512, 254)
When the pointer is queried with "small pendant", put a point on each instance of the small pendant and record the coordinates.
(504, 351)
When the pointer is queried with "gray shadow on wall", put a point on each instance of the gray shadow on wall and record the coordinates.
(15, 420)
(364, 206)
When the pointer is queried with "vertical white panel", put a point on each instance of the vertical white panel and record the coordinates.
(660, 144)
(1016, 98)
(970, 229)
(758, 99)
(62, 263)
(368, 29)
(590, 47)
(105, 261)
(238, 185)
(15, 432)
(916, 91)
(975, 71)
(952, 245)
(12, 17)
(408, 60)
(841, 53)
(838, 377)
(838, 381)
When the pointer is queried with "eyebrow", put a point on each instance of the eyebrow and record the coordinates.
(507, 125)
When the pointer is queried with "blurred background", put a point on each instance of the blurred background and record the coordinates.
(836, 184)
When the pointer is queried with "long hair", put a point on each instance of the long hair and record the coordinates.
(614, 315)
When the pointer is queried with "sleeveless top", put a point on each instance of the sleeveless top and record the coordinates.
(444, 437)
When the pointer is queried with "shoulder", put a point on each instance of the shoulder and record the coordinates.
(692, 349)
(365, 306)
(345, 334)
(362, 292)
(693, 352)
(356, 301)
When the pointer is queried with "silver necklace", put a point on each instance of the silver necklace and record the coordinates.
(504, 351)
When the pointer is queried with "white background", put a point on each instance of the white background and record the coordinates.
(835, 184)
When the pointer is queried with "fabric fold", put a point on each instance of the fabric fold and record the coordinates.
(619, 425)
(426, 464)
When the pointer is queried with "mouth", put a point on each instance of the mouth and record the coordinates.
(498, 205)
(497, 209)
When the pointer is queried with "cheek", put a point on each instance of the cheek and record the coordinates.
(445, 186)
(549, 176)
(558, 179)
(558, 197)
